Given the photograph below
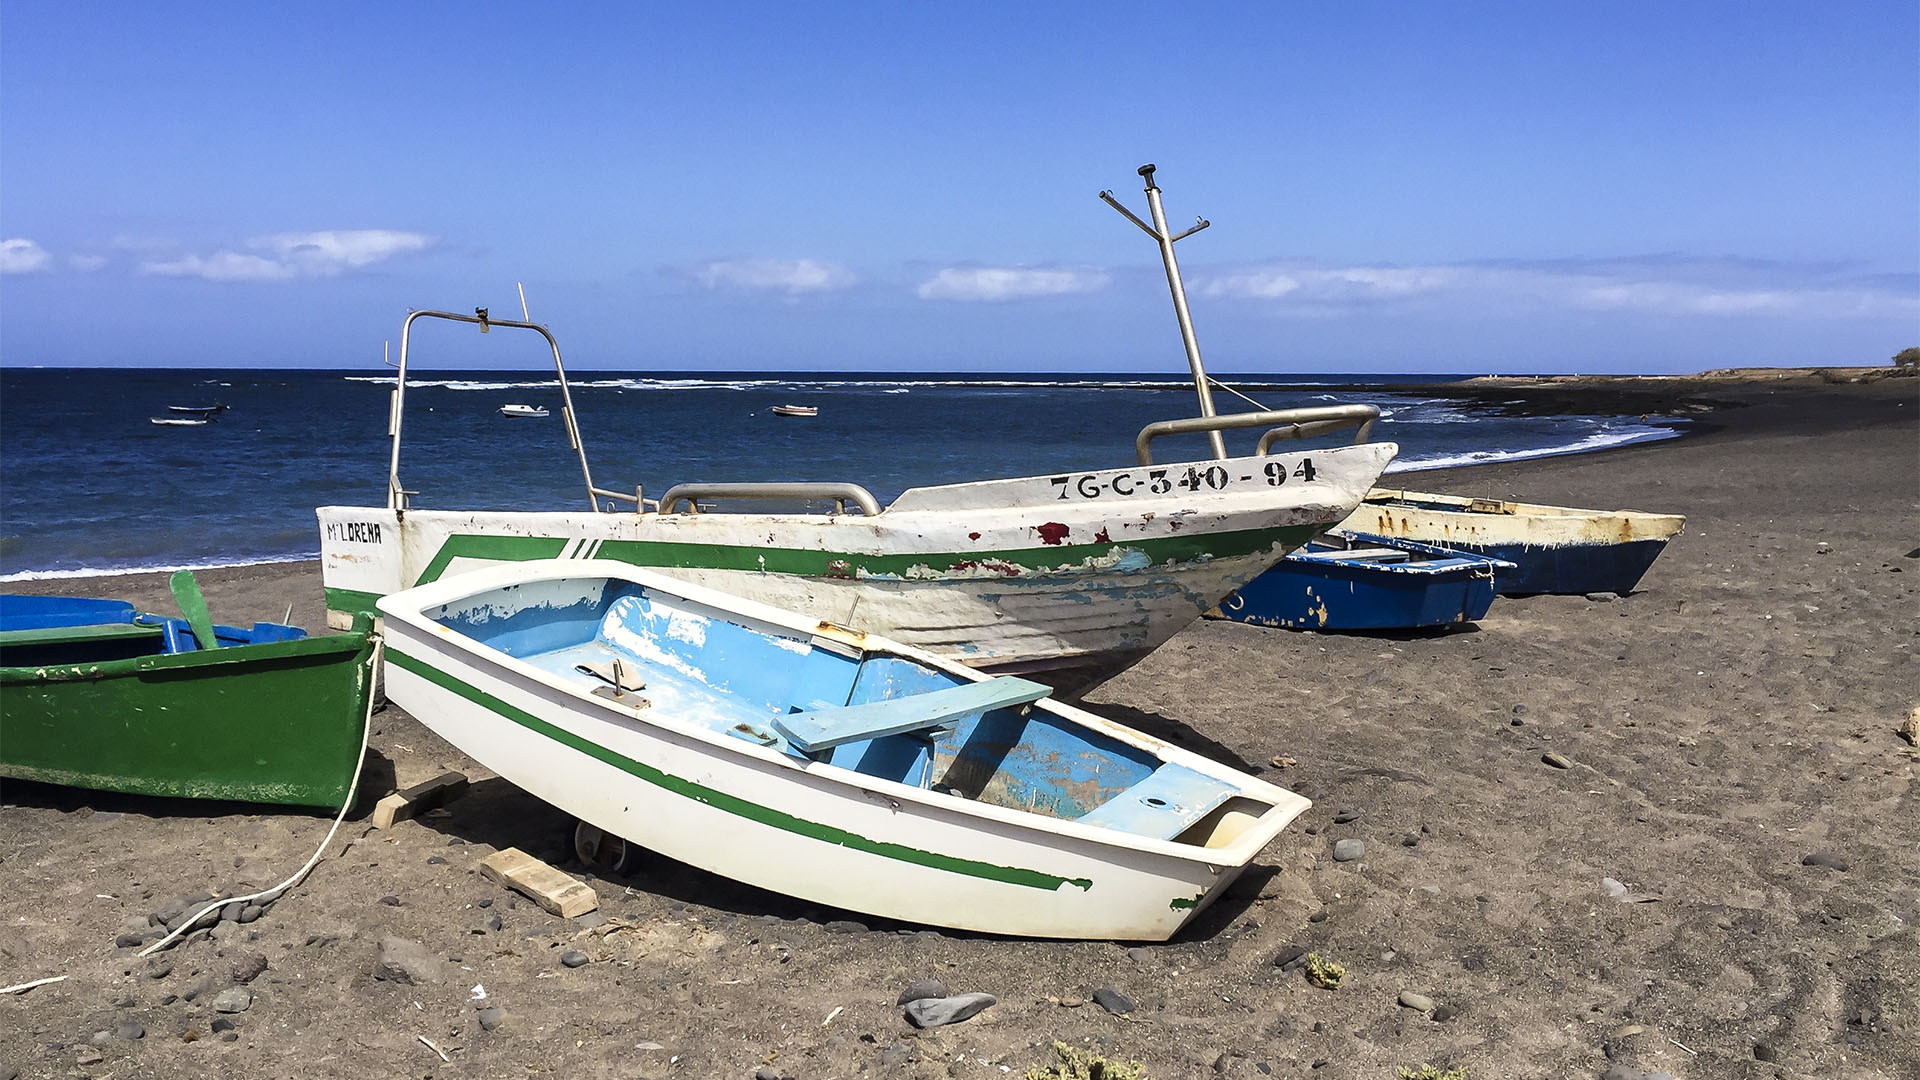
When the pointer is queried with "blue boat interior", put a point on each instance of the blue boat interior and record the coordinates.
(670, 662)
(42, 630)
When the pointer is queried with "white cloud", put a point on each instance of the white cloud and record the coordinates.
(1001, 283)
(86, 264)
(323, 254)
(220, 266)
(794, 277)
(295, 255)
(22, 256)
(1654, 285)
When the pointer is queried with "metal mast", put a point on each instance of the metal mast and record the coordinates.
(1158, 230)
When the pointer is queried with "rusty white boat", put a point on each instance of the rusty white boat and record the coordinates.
(817, 761)
(1069, 577)
(1549, 549)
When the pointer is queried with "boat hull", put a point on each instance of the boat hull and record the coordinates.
(270, 723)
(1553, 549)
(1318, 589)
(809, 828)
(1034, 575)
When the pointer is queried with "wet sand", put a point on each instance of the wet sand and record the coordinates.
(1735, 716)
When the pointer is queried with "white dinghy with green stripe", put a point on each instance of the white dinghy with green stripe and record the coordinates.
(817, 761)
(1067, 577)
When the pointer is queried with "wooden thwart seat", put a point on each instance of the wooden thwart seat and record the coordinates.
(1162, 805)
(823, 729)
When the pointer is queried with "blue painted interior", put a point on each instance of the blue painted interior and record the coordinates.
(822, 729)
(705, 666)
(19, 612)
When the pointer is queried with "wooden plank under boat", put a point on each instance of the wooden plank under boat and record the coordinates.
(817, 761)
(1343, 582)
(94, 694)
(1553, 549)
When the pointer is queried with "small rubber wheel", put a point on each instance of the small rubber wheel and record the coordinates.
(598, 848)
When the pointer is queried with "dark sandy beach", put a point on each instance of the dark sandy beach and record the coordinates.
(1734, 717)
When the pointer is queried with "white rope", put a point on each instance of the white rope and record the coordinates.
(353, 790)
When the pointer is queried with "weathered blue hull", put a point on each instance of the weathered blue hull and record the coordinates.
(1374, 584)
(1553, 549)
(1571, 569)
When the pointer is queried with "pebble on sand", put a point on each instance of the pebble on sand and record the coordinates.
(1827, 859)
(921, 989)
(233, 999)
(1349, 849)
(408, 962)
(492, 1017)
(1416, 1002)
(573, 958)
(1558, 761)
(934, 1012)
(1113, 1000)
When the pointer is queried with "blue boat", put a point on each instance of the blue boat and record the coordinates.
(104, 621)
(1346, 582)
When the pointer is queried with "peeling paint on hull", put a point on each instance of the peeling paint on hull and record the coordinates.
(999, 575)
(1554, 549)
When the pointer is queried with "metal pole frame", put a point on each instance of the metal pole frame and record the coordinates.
(397, 495)
(1158, 230)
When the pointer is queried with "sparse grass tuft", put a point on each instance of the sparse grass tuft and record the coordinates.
(1078, 1064)
(1322, 972)
(1428, 1071)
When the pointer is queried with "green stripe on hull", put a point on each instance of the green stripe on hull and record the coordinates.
(720, 800)
(830, 564)
(352, 600)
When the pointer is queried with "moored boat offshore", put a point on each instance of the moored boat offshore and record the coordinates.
(817, 761)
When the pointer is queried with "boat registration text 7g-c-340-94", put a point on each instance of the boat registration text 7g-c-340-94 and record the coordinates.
(1189, 477)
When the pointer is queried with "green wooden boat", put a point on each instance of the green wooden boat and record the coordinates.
(145, 706)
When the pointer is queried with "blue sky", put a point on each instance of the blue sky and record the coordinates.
(1460, 187)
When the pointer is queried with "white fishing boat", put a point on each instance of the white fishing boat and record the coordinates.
(1068, 576)
(817, 761)
(796, 410)
(179, 421)
(534, 411)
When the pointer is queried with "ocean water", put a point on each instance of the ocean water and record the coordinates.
(88, 484)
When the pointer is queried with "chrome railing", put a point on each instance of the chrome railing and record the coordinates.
(1293, 424)
(841, 494)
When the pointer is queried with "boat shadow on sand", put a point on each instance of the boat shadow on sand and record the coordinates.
(376, 780)
(494, 815)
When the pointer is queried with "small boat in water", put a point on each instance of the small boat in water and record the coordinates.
(190, 415)
(796, 410)
(1553, 549)
(534, 411)
(1345, 582)
(95, 694)
(817, 761)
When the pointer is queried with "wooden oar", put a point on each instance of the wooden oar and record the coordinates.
(186, 593)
